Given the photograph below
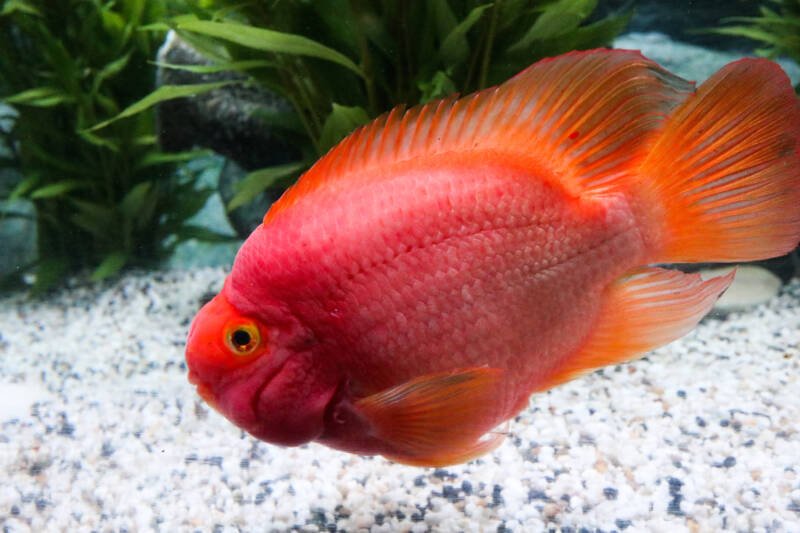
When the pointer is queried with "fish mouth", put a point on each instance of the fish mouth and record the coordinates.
(215, 394)
(203, 390)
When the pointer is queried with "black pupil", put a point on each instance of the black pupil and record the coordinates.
(241, 338)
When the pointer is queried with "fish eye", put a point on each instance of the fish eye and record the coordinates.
(243, 339)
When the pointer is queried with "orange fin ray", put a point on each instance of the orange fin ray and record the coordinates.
(584, 117)
(726, 168)
(646, 309)
(437, 419)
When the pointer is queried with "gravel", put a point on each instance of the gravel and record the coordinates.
(700, 435)
(100, 431)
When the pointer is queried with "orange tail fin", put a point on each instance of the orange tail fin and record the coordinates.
(723, 178)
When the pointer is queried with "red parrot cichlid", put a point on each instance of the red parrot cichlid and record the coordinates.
(443, 263)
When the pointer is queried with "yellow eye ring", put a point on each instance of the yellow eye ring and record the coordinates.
(243, 339)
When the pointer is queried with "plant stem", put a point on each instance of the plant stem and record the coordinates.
(289, 80)
(473, 62)
(366, 66)
(487, 50)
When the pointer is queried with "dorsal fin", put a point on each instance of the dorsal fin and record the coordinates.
(585, 116)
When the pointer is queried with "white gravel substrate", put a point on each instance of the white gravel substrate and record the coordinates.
(701, 435)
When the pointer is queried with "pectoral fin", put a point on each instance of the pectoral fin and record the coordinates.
(646, 309)
(437, 419)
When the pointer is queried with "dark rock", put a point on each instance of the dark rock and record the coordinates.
(534, 494)
(17, 227)
(107, 449)
(450, 493)
(685, 21)
(497, 496)
(214, 460)
(674, 507)
(37, 468)
(441, 473)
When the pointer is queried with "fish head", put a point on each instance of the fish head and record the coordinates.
(256, 376)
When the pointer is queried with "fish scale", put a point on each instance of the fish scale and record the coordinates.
(498, 234)
(417, 284)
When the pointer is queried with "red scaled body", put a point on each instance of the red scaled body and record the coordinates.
(435, 269)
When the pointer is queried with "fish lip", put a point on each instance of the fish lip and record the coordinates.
(204, 391)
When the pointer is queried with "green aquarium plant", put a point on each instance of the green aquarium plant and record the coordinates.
(777, 28)
(103, 199)
(341, 63)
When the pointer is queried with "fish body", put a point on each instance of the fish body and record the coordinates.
(440, 265)
(466, 263)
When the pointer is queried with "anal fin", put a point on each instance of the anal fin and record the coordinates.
(437, 419)
(643, 310)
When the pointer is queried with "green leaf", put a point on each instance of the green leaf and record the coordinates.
(161, 158)
(341, 121)
(339, 22)
(146, 140)
(258, 181)
(439, 86)
(155, 26)
(192, 231)
(443, 17)
(268, 41)
(56, 189)
(132, 203)
(112, 264)
(751, 32)
(598, 33)
(238, 66)
(162, 94)
(279, 119)
(39, 97)
(96, 219)
(558, 18)
(10, 6)
(188, 201)
(96, 140)
(24, 186)
(48, 273)
(454, 48)
(111, 69)
(375, 29)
